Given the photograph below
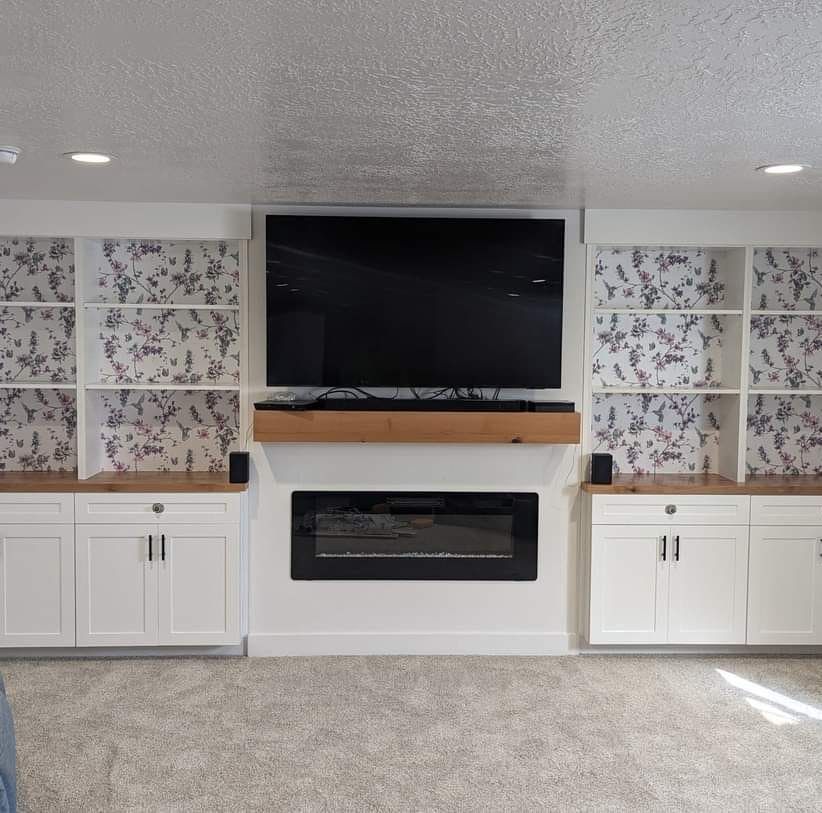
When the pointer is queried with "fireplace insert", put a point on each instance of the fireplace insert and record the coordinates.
(436, 535)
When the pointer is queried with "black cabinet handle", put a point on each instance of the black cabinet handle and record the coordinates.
(163, 547)
(664, 547)
(676, 549)
(149, 547)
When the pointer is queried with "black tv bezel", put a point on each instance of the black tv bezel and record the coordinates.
(408, 214)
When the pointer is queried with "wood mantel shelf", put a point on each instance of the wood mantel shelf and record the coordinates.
(331, 426)
(764, 485)
(135, 482)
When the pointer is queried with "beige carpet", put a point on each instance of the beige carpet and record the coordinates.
(462, 734)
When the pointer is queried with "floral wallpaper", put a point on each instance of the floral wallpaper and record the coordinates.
(784, 434)
(786, 351)
(36, 270)
(657, 351)
(656, 278)
(168, 430)
(37, 430)
(37, 344)
(167, 272)
(786, 279)
(651, 434)
(169, 346)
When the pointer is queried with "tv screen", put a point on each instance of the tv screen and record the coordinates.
(413, 302)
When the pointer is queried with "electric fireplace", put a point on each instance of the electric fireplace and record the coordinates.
(421, 535)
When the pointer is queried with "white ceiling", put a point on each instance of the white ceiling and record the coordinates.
(628, 103)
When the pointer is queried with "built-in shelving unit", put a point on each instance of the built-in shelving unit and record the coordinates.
(146, 378)
(705, 361)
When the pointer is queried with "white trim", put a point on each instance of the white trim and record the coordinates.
(411, 643)
(157, 221)
(701, 227)
(121, 651)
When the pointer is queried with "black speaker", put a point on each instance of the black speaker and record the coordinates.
(238, 467)
(602, 469)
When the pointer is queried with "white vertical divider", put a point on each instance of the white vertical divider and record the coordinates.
(81, 434)
(744, 369)
(245, 416)
(587, 381)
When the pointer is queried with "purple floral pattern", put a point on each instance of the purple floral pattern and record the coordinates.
(786, 352)
(784, 434)
(36, 269)
(657, 351)
(786, 279)
(167, 272)
(168, 430)
(656, 279)
(37, 430)
(37, 345)
(653, 434)
(169, 346)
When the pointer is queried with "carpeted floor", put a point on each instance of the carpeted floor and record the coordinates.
(462, 734)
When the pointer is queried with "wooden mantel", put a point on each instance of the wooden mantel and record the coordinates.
(331, 426)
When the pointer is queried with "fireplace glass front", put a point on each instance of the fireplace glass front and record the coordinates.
(447, 535)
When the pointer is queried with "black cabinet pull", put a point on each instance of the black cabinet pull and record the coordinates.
(149, 547)
(676, 549)
(163, 547)
(664, 547)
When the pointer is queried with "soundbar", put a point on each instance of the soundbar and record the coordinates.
(417, 405)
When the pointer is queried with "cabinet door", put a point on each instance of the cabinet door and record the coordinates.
(116, 585)
(199, 584)
(785, 587)
(629, 584)
(36, 585)
(708, 584)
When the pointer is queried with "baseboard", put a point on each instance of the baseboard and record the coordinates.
(422, 643)
(122, 652)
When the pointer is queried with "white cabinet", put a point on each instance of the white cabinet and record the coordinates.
(785, 595)
(629, 584)
(657, 584)
(199, 574)
(116, 585)
(161, 583)
(36, 584)
(669, 583)
(708, 584)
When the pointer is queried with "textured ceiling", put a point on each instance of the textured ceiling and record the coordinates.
(626, 103)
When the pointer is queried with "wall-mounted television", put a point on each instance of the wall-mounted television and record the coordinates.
(414, 301)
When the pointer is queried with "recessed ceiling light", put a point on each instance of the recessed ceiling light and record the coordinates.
(88, 157)
(8, 155)
(781, 169)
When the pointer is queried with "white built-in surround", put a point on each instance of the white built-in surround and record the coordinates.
(361, 617)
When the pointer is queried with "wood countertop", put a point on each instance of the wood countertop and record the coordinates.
(760, 485)
(135, 482)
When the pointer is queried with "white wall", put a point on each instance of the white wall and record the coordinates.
(303, 617)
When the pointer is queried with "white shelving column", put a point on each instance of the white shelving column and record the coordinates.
(733, 263)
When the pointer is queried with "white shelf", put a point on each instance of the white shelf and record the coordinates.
(755, 312)
(783, 391)
(36, 385)
(19, 303)
(166, 386)
(664, 391)
(159, 307)
(673, 311)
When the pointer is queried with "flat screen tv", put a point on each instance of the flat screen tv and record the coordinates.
(413, 302)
